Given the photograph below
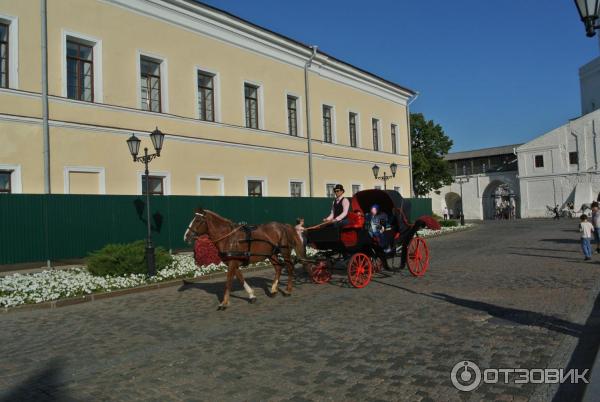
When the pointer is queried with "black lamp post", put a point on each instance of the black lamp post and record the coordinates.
(133, 143)
(460, 181)
(385, 177)
(588, 11)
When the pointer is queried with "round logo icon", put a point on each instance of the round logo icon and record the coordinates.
(465, 376)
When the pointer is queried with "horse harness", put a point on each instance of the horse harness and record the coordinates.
(244, 256)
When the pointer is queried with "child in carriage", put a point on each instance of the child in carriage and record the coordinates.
(377, 222)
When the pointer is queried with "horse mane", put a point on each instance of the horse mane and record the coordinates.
(219, 217)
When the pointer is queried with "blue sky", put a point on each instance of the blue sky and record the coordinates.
(491, 73)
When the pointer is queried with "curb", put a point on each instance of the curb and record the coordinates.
(451, 232)
(54, 304)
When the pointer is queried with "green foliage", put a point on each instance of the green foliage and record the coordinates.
(429, 145)
(123, 259)
(449, 223)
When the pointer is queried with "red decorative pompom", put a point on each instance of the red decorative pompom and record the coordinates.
(205, 252)
(430, 222)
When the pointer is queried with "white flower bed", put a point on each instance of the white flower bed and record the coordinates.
(433, 233)
(49, 285)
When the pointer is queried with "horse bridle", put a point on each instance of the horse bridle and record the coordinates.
(196, 234)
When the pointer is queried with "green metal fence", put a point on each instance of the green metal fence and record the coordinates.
(59, 227)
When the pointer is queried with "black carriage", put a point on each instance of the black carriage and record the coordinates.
(362, 254)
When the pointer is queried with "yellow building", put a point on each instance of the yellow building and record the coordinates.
(230, 96)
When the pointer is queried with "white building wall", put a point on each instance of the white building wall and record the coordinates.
(556, 181)
(589, 80)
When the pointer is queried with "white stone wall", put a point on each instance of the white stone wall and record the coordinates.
(589, 80)
(556, 181)
(477, 199)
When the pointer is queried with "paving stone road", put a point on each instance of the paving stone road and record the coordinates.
(506, 294)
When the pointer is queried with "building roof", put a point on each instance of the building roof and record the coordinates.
(479, 153)
(303, 45)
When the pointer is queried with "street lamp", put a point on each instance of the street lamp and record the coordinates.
(460, 181)
(588, 11)
(385, 177)
(133, 143)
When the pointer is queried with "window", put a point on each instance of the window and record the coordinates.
(251, 105)
(5, 181)
(329, 190)
(150, 81)
(352, 125)
(292, 109)
(206, 96)
(573, 158)
(327, 130)
(80, 71)
(355, 188)
(377, 187)
(539, 161)
(295, 189)
(4, 55)
(398, 189)
(255, 188)
(210, 185)
(156, 185)
(375, 124)
(393, 133)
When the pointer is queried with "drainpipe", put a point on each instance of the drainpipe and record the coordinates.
(45, 128)
(410, 176)
(308, 133)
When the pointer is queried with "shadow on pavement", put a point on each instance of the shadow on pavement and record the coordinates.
(547, 249)
(42, 386)
(569, 258)
(583, 356)
(562, 241)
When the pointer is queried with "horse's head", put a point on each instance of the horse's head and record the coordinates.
(197, 227)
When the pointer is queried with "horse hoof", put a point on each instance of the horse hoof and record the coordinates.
(221, 307)
(285, 294)
(271, 295)
(252, 300)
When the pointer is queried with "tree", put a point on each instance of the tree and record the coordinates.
(429, 145)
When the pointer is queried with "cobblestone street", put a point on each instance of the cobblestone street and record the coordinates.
(506, 294)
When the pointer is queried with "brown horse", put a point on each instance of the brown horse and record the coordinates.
(241, 245)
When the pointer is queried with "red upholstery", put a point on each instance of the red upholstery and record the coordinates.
(349, 237)
(356, 220)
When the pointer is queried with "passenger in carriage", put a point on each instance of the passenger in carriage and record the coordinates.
(339, 208)
(377, 222)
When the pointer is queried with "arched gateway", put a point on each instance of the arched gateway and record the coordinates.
(499, 201)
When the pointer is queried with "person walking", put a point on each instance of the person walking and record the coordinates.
(596, 224)
(586, 229)
(445, 212)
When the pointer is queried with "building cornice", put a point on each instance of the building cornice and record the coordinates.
(217, 24)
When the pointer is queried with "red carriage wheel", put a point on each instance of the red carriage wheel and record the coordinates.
(320, 273)
(360, 270)
(418, 256)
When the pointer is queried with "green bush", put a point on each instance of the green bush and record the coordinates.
(449, 223)
(436, 217)
(123, 259)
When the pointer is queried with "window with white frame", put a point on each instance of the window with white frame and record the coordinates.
(329, 190)
(80, 70)
(251, 105)
(210, 185)
(377, 187)
(327, 124)
(4, 54)
(355, 188)
(352, 126)
(398, 189)
(296, 188)
(539, 161)
(150, 79)
(393, 130)
(206, 96)
(292, 113)
(255, 188)
(375, 124)
(156, 185)
(6, 181)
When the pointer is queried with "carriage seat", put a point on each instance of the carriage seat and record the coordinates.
(356, 220)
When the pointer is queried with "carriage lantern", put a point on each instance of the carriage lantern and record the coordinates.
(588, 11)
(133, 143)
